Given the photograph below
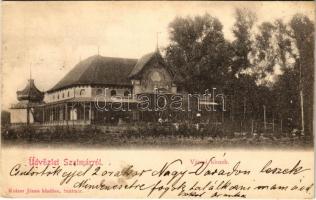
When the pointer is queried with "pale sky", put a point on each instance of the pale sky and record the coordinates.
(52, 37)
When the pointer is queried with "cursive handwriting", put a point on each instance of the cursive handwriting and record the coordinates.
(199, 180)
(296, 169)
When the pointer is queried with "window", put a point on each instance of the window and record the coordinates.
(126, 93)
(68, 94)
(162, 102)
(99, 91)
(63, 95)
(82, 92)
(113, 93)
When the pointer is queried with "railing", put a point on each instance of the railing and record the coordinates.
(67, 122)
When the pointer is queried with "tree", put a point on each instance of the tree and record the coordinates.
(5, 117)
(272, 52)
(242, 45)
(284, 47)
(302, 33)
(285, 91)
(198, 51)
(293, 89)
(242, 48)
(274, 67)
(264, 55)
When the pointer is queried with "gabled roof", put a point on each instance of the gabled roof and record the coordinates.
(30, 92)
(141, 63)
(98, 70)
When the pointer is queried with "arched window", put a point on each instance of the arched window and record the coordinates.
(99, 91)
(162, 102)
(113, 93)
(126, 93)
(82, 92)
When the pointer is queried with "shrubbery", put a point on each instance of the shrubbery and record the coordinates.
(153, 134)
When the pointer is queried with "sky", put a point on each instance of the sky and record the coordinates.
(49, 38)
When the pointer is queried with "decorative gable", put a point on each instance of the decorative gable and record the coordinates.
(151, 73)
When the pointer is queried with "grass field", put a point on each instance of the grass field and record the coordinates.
(154, 137)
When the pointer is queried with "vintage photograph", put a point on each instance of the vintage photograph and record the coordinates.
(157, 99)
(158, 75)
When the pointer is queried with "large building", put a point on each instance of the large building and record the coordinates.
(101, 90)
(93, 86)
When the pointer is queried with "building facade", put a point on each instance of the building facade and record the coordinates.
(88, 92)
(107, 90)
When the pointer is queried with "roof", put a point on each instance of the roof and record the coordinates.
(30, 92)
(141, 63)
(98, 70)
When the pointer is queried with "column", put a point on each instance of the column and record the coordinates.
(84, 111)
(43, 114)
(66, 112)
(90, 112)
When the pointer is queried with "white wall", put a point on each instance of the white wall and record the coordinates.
(107, 91)
(20, 116)
(89, 92)
(67, 94)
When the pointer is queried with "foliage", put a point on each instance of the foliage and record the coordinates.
(5, 117)
(265, 65)
(242, 45)
(198, 52)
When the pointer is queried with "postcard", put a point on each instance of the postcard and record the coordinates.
(157, 99)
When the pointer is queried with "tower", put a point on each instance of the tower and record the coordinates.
(29, 98)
